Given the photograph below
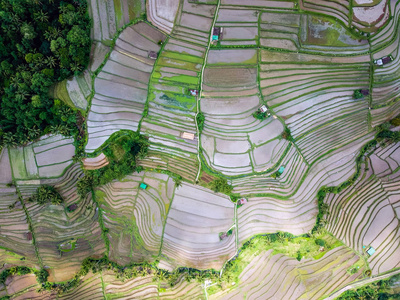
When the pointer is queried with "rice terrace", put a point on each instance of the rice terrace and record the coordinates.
(200, 149)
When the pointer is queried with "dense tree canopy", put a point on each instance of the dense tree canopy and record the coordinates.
(41, 42)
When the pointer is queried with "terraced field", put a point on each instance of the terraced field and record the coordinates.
(135, 217)
(121, 86)
(46, 158)
(191, 77)
(107, 285)
(367, 214)
(191, 234)
(53, 227)
(270, 276)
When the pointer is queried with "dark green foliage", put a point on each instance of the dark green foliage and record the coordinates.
(122, 153)
(320, 242)
(260, 115)
(357, 94)
(390, 136)
(13, 271)
(46, 194)
(85, 184)
(379, 290)
(286, 134)
(41, 42)
(200, 121)
(221, 185)
(298, 257)
(276, 174)
(41, 276)
(178, 180)
(395, 121)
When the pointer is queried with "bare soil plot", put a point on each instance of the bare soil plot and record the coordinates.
(103, 15)
(195, 219)
(194, 8)
(240, 33)
(232, 56)
(260, 3)
(95, 162)
(280, 44)
(291, 20)
(195, 22)
(165, 158)
(237, 15)
(230, 77)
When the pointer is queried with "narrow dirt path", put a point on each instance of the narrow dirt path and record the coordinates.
(201, 88)
(360, 283)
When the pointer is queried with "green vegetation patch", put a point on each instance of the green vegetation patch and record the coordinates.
(185, 57)
(46, 194)
(67, 246)
(301, 247)
(179, 64)
(175, 100)
(200, 118)
(122, 149)
(59, 91)
(387, 289)
(327, 32)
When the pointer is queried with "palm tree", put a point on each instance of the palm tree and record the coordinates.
(75, 67)
(33, 132)
(9, 139)
(44, 195)
(55, 33)
(41, 16)
(21, 95)
(15, 19)
(50, 61)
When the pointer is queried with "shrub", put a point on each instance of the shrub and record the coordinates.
(357, 94)
(200, 121)
(286, 134)
(41, 276)
(395, 121)
(46, 194)
(122, 153)
(221, 185)
(260, 115)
